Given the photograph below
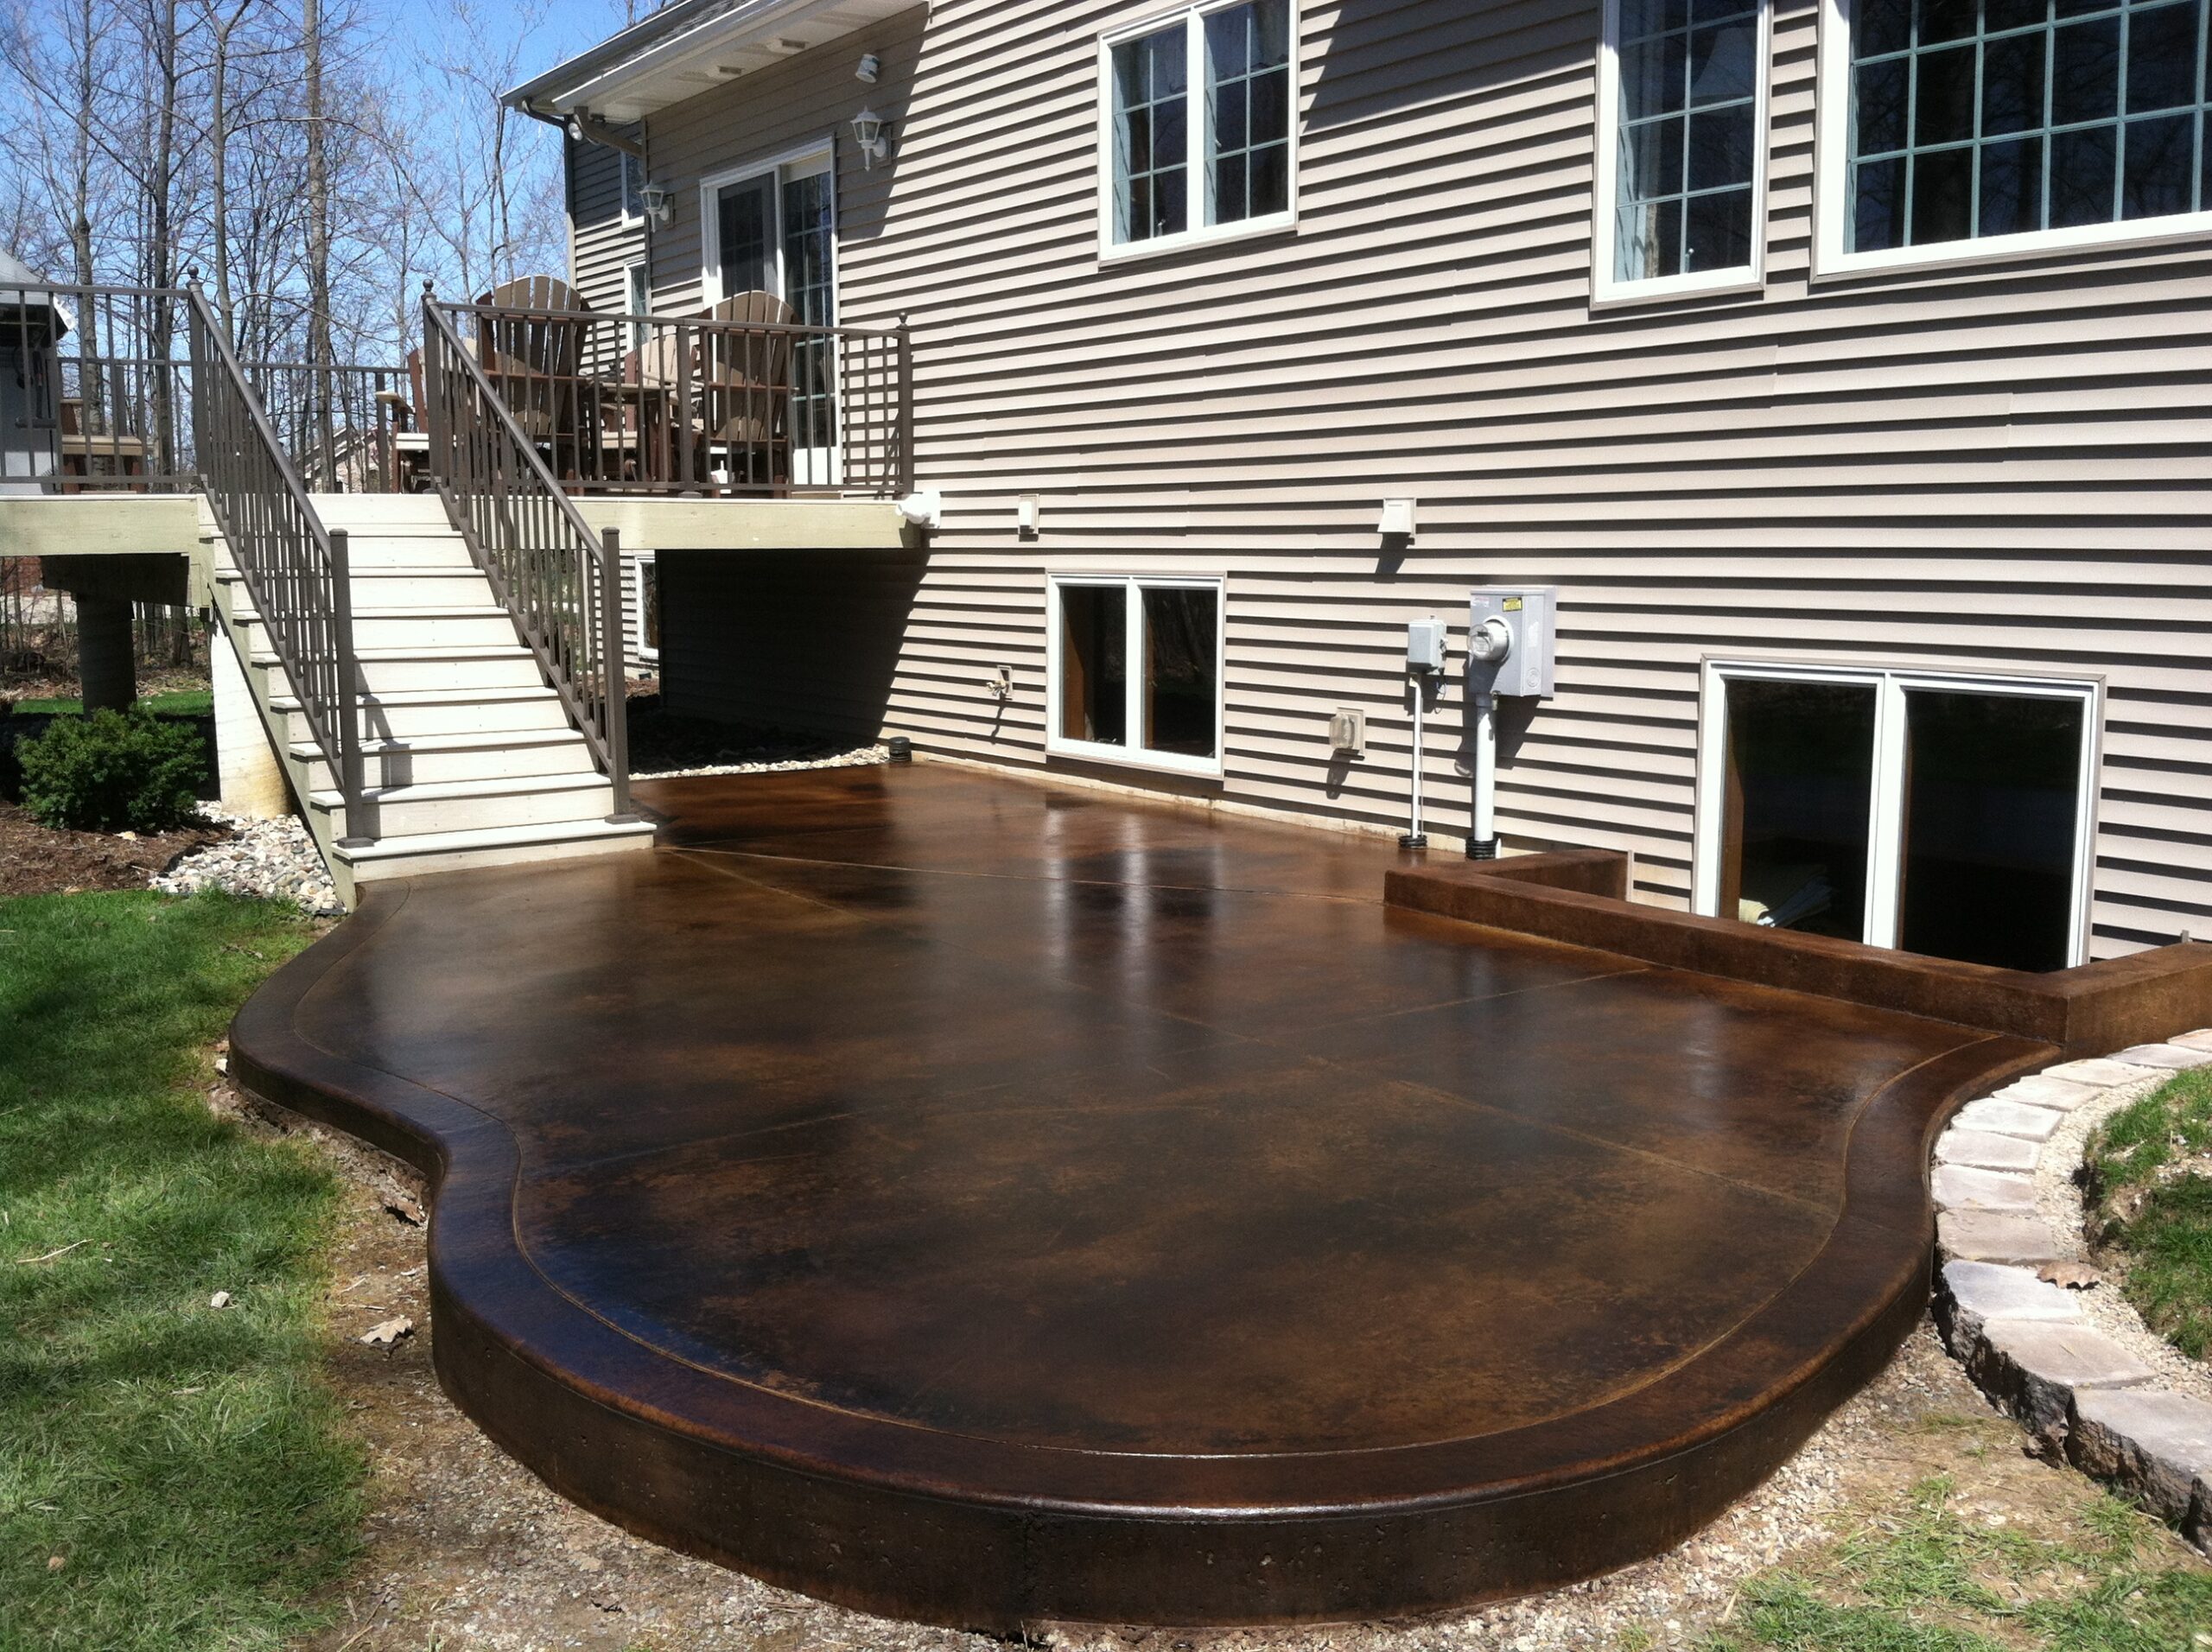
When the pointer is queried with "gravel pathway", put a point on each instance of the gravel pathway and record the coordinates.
(275, 860)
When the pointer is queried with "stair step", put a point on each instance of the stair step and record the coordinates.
(491, 845)
(436, 713)
(492, 742)
(538, 754)
(464, 805)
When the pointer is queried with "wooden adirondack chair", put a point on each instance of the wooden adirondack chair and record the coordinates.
(533, 353)
(745, 388)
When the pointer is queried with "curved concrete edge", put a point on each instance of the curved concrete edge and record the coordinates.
(2024, 1340)
(974, 1535)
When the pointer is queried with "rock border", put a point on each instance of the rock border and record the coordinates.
(2023, 1339)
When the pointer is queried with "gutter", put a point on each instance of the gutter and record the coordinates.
(528, 98)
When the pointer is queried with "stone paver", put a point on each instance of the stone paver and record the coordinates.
(2009, 1118)
(1961, 1187)
(2032, 1366)
(1985, 1150)
(1976, 1293)
(2100, 1071)
(2173, 1057)
(1996, 1237)
(2044, 1090)
(2158, 1444)
(2023, 1341)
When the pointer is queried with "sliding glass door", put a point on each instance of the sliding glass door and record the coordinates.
(776, 234)
(1946, 815)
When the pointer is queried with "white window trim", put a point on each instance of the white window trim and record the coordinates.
(805, 161)
(1134, 756)
(1113, 251)
(638, 563)
(1606, 288)
(1886, 808)
(1831, 193)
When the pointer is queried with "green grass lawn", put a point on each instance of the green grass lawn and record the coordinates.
(2150, 1174)
(1921, 1578)
(186, 702)
(172, 1475)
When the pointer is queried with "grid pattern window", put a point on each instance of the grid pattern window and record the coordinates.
(1151, 135)
(648, 612)
(1687, 121)
(1976, 118)
(1135, 671)
(1248, 97)
(1200, 133)
(810, 231)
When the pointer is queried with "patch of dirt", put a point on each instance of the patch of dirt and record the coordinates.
(38, 859)
(466, 1549)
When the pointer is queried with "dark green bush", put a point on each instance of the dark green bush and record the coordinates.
(114, 770)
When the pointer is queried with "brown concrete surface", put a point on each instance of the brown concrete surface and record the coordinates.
(989, 1202)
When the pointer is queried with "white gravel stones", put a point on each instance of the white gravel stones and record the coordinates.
(272, 859)
(2087, 1379)
(859, 757)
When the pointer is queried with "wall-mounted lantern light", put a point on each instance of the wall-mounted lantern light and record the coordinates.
(659, 203)
(868, 133)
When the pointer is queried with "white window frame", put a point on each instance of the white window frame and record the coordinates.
(1832, 192)
(630, 272)
(804, 162)
(624, 161)
(639, 561)
(1133, 755)
(1605, 287)
(1195, 190)
(1885, 821)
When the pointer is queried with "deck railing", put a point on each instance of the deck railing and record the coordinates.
(96, 396)
(295, 569)
(650, 404)
(561, 583)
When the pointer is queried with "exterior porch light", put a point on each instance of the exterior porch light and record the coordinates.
(868, 133)
(659, 203)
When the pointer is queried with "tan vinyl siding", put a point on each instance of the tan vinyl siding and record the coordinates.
(600, 244)
(1993, 468)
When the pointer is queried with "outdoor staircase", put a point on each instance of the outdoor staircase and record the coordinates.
(471, 760)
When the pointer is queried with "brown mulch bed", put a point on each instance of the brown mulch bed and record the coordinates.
(38, 859)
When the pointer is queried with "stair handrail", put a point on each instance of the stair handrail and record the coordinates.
(295, 569)
(561, 583)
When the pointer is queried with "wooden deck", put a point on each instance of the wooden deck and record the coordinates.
(988, 1202)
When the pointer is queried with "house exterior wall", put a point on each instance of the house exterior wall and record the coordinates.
(1991, 468)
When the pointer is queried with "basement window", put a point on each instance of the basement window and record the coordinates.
(1134, 670)
(645, 607)
(1198, 126)
(1946, 815)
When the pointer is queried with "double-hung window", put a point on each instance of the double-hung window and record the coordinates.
(1970, 128)
(1946, 815)
(1199, 129)
(1135, 669)
(1682, 89)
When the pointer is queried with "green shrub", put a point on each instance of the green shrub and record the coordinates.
(115, 771)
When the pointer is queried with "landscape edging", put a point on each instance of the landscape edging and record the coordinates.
(2022, 1339)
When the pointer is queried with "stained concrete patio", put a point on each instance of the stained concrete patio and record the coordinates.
(988, 1201)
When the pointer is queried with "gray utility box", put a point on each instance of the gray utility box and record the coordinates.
(1527, 615)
